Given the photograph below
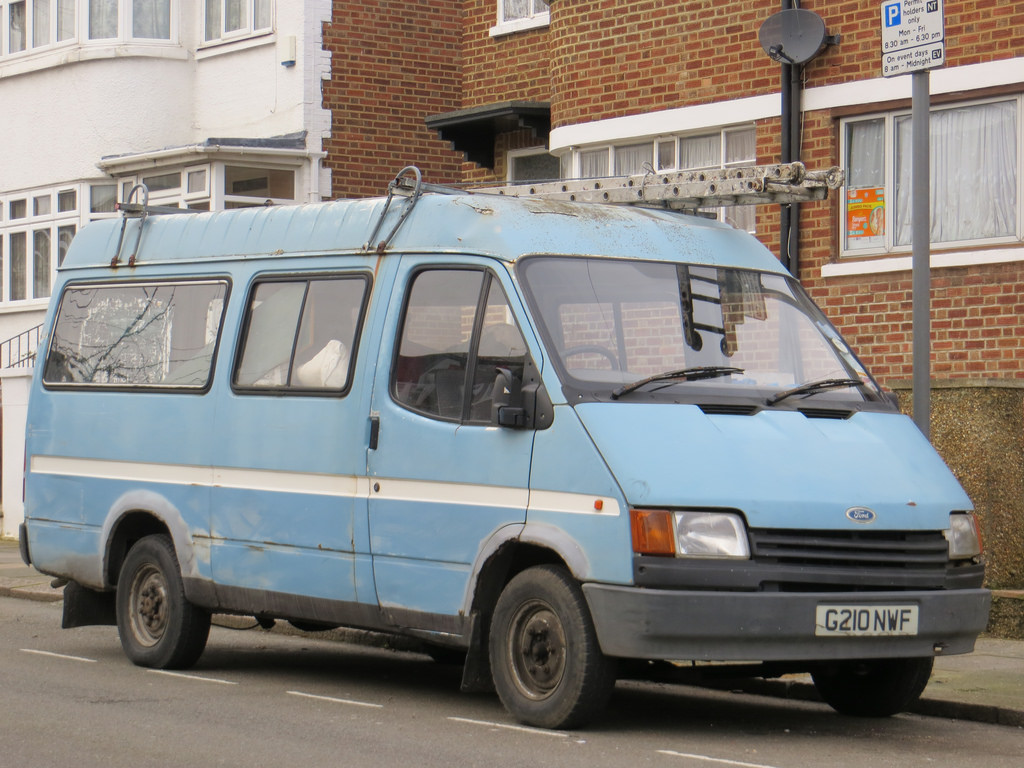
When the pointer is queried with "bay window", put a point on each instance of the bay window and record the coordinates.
(32, 25)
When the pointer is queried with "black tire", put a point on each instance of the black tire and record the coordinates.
(545, 660)
(159, 628)
(872, 688)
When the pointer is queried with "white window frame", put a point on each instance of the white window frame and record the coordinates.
(890, 248)
(79, 35)
(53, 222)
(513, 154)
(248, 31)
(534, 20)
(572, 164)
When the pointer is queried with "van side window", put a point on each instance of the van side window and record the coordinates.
(300, 334)
(156, 335)
(457, 331)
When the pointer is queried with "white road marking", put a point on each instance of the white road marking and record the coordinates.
(708, 759)
(522, 728)
(184, 676)
(333, 700)
(58, 655)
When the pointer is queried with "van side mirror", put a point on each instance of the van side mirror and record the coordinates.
(521, 402)
(507, 397)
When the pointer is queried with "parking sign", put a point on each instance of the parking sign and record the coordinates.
(913, 36)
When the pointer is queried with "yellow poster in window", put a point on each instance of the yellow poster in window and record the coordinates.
(865, 212)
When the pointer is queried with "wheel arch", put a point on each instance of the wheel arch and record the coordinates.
(135, 515)
(503, 558)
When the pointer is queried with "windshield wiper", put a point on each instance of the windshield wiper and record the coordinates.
(813, 387)
(686, 374)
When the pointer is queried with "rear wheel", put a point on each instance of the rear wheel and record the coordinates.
(158, 627)
(872, 688)
(545, 660)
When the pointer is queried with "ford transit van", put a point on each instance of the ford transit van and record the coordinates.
(566, 442)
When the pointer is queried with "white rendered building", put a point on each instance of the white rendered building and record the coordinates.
(211, 104)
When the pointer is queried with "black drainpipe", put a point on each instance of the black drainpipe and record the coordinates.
(789, 214)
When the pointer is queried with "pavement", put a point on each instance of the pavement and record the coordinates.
(985, 686)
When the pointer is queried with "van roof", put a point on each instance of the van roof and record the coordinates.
(487, 224)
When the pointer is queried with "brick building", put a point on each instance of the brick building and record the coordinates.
(603, 86)
(521, 89)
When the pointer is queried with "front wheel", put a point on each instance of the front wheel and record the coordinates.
(545, 660)
(158, 627)
(872, 688)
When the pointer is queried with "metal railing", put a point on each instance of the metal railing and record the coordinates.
(20, 351)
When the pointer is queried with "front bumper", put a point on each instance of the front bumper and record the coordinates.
(682, 625)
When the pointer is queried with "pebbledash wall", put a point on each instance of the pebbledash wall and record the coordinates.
(684, 82)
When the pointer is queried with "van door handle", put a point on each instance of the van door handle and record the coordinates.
(374, 432)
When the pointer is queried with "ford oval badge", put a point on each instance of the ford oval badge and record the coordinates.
(861, 515)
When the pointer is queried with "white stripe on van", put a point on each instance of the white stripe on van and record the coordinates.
(209, 477)
(573, 503)
(343, 486)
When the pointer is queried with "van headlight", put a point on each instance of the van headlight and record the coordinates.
(964, 536)
(688, 534)
(711, 534)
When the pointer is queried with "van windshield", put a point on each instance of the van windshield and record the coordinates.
(628, 329)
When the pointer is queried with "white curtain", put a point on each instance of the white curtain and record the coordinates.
(261, 12)
(632, 159)
(151, 19)
(40, 23)
(65, 20)
(102, 19)
(700, 152)
(973, 173)
(17, 28)
(515, 9)
(236, 15)
(594, 164)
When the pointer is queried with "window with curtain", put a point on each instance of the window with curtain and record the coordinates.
(633, 159)
(234, 18)
(65, 20)
(723, 148)
(151, 19)
(40, 23)
(102, 19)
(16, 27)
(511, 10)
(974, 170)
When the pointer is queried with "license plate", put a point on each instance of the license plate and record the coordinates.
(865, 620)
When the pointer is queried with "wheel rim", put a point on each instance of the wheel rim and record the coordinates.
(537, 649)
(148, 610)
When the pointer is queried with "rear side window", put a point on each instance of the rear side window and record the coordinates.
(156, 335)
(300, 334)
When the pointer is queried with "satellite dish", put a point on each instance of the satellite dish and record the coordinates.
(793, 36)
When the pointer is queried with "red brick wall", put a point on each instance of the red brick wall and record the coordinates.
(393, 63)
(611, 58)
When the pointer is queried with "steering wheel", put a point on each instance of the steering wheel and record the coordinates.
(597, 349)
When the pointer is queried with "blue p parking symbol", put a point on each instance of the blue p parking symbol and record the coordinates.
(893, 14)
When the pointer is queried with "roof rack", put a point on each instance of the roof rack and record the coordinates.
(141, 211)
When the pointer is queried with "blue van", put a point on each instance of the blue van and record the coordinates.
(559, 440)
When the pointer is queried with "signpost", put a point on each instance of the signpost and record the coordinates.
(913, 40)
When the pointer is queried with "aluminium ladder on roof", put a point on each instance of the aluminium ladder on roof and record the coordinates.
(778, 183)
